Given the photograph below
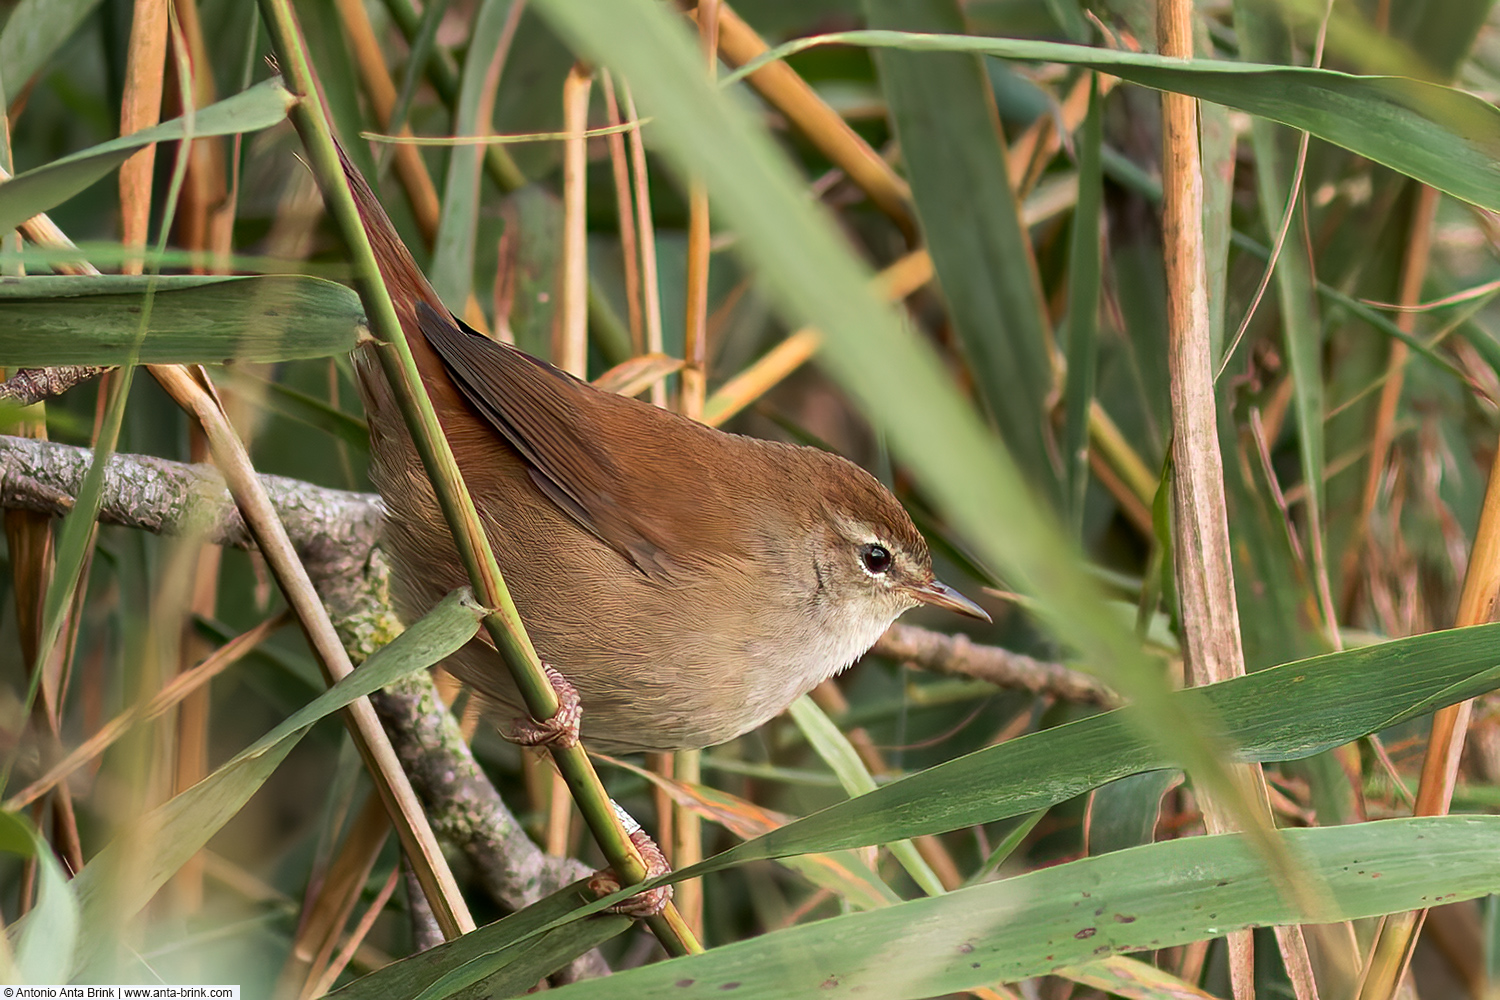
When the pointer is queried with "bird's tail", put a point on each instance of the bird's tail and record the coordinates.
(403, 279)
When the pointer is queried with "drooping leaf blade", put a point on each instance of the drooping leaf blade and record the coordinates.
(195, 319)
(44, 187)
(1140, 899)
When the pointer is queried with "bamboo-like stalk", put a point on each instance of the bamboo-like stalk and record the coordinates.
(646, 227)
(619, 160)
(503, 622)
(571, 336)
(1205, 571)
(140, 107)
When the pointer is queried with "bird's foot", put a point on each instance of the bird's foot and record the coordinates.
(645, 904)
(561, 730)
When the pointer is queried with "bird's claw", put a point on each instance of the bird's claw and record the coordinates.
(644, 904)
(561, 730)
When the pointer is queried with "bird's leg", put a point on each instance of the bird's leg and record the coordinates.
(562, 729)
(644, 904)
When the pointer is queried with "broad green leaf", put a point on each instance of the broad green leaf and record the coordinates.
(1439, 135)
(38, 190)
(1281, 713)
(1124, 813)
(499, 959)
(45, 939)
(944, 117)
(110, 256)
(195, 319)
(124, 876)
(1140, 899)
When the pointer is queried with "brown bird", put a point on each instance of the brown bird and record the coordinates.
(690, 583)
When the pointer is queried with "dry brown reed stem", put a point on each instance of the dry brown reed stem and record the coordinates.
(30, 545)
(786, 91)
(205, 215)
(1413, 274)
(44, 232)
(694, 375)
(145, 71)
(570, 338)
(55, 673)
(1205, 572)
(29, 540)
(205, 212)
(687, 841)
(619, 161)
(633, 377)
(646, 229)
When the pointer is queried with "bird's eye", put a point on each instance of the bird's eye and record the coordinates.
(877, 558)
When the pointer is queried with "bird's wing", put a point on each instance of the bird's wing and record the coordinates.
(553, 421)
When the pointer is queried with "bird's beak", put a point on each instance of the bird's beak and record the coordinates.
(940, 595)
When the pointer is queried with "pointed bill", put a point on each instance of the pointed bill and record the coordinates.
(940, 595)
